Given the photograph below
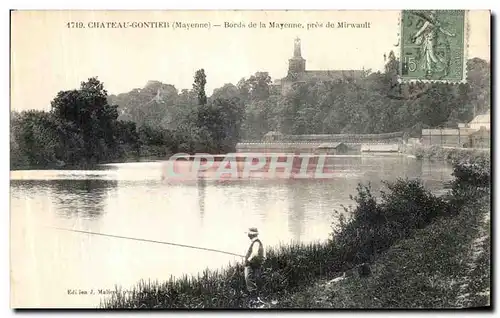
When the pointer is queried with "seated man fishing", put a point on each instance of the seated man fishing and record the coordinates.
(254, 259)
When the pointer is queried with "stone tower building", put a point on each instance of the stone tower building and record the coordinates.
(297, 73)
(297, 64)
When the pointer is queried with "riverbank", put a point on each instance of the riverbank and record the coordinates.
(450, 154)
(87, 166)
(445, 265)
(376, 224)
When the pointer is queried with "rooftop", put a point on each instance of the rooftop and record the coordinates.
(330, 145)
(484, 118)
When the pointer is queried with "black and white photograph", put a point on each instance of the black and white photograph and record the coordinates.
(256, 160)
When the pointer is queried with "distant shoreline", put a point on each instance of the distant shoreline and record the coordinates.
(449, 154)
(85, 166)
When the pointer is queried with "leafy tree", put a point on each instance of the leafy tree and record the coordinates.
(258, 85)
(479, 85)
(243, 89)
(219, 125)
(228, 91)
(154, 104)
(128, 139)
(200, 80)
(87, 113)
(34, 139)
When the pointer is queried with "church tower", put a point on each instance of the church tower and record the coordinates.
(296, 64)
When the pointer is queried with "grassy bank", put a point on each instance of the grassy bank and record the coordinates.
(374, 225)
(440, 267)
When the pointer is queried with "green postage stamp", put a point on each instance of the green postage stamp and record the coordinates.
(433, 45)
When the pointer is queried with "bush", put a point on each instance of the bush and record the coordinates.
(472, 179)
(374, 226)
(475, 173)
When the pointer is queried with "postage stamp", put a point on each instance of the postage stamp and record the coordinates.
(433, 45)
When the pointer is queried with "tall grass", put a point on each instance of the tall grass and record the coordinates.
(371, 227)
(286, 268)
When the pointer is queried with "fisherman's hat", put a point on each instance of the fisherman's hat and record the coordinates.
(253, 230)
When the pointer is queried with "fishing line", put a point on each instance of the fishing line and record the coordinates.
(150, 241)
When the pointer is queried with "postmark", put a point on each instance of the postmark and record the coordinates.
(433, 45)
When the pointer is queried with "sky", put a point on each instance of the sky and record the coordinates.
(47, 56)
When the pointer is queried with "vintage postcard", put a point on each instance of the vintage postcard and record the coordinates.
(250, 159)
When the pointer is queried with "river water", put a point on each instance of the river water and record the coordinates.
(53, 268)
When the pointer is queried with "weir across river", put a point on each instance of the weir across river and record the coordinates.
(316, 148)
(275, 142)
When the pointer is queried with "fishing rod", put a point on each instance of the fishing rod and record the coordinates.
(150, 241)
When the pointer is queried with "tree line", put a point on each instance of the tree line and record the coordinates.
(86, 126)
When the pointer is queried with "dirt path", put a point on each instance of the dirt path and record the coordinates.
(475, 287)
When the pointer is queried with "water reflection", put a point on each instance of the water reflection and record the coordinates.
(80, 198)
(296, 213)
(202, 192)
(83, 198)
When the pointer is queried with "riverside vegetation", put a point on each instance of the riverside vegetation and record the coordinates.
(87, 126)
(437, 152)
(373, 230)
(445, 265)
